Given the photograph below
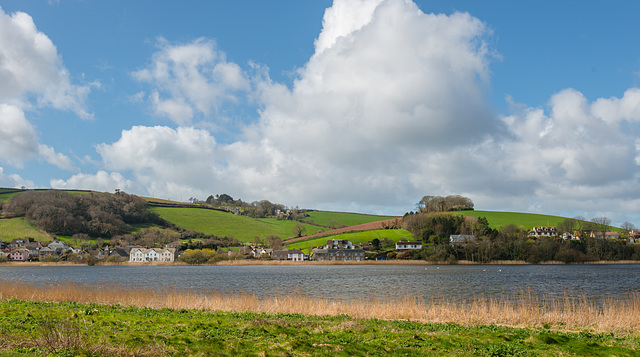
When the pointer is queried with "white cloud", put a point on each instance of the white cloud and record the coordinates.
(60, 160)
(390, 107)
(31, 76)
(18, 139)
(164, 160)
(192, 78)
(101, 181)
(30, 64)
(614, 110)
(385, 87)
(13, 180)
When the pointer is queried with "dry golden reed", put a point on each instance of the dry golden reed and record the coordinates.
(524, 309)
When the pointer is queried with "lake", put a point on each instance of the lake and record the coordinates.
(358, 281)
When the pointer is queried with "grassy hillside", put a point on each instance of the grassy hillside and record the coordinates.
(13, 228)
(324, 218)
(227, 224)
(355, 237)
(526, 220)
(6, 193)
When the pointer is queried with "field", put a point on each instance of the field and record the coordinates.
(12, 228)
(64, 320)
(6, 193)
(526, 220)
(325, 218)
(355, 237)
(227, 224)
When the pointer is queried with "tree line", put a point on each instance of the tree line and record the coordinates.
(92, 213)
(512, 242)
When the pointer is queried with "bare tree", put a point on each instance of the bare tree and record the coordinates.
(627, 226)
(274, 242)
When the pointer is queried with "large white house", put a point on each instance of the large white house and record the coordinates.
(141, 255)
(408, 245)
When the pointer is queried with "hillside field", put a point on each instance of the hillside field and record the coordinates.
(13, 228)
(395, 235)
(222, 224)
(526, 220)
(324, 218)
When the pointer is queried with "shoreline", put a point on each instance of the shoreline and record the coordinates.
(290, 263)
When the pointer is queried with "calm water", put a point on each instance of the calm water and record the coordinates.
(361, 281)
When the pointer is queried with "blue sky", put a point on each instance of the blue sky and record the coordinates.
(348, 105)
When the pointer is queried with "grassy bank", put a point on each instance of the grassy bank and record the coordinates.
(619, 315)
(66, 329)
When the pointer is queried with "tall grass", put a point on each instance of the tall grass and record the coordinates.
(525, 309)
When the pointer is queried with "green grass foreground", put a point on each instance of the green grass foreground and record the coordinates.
(70, 329)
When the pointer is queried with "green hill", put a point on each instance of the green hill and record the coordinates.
(395, 235)
(326, 218)
(13, 228)
(227, 224)
(526, 220)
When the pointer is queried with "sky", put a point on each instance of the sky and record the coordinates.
(351, 105)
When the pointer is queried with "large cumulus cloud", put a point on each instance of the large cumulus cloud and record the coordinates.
(32, 76)
(190, 79)
(390, 107)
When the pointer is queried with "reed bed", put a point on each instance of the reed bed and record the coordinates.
(525, 309)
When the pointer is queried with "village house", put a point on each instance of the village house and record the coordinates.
(19, 255)
(338, 244)
(543, 231)
(607, 235)
(337, 250)
(461, 239)
(58, 246)
(258, 252)
(34, 248)
(45, 252)
(295, 255)
(175, 244)
(570, 236)
(408, 245)
(19, 242)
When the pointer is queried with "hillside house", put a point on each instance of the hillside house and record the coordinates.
(58, 246)
(543, 231)
(607, 235)
(338, 244)
(19, 242)
(461, 239)
(408, 245)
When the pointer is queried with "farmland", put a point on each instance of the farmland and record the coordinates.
(12, 228)
(355, 237)
(526, 220)
(227, 224)
(326, 218)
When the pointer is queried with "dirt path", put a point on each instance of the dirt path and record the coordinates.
(356, 228)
